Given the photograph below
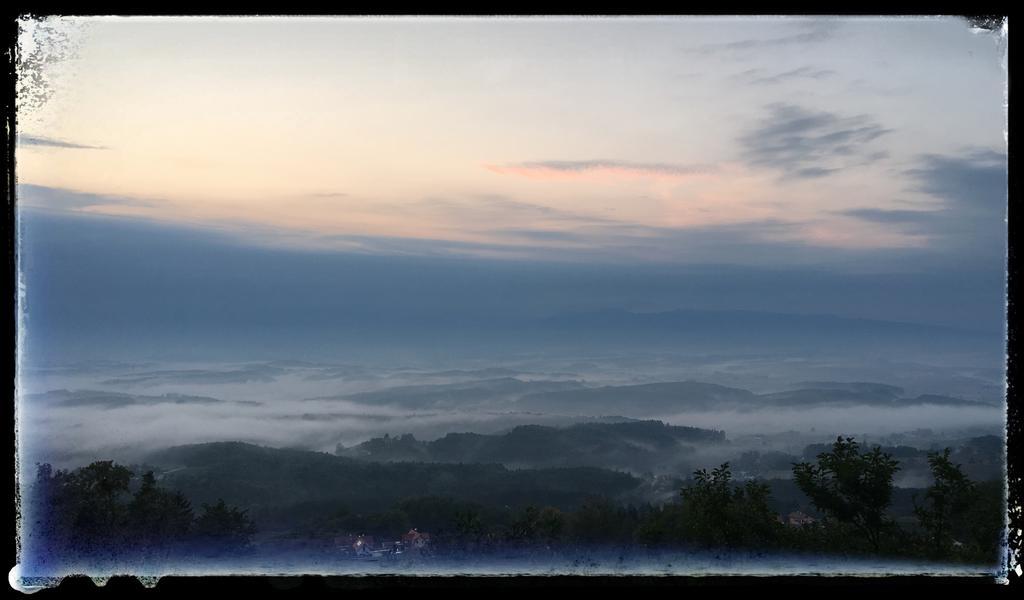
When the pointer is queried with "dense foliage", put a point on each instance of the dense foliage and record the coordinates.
(851, 487)
(298, 482)
(720, 514)
(105, 509)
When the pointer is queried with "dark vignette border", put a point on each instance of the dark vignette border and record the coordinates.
(8, 323)
(84, 587)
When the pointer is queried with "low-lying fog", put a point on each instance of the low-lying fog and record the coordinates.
(73, 414)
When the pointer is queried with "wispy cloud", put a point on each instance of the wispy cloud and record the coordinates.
(38, 140)
(810, 32)
(973, 181)
(763, 241)
(581, 169)
(539, 235)
(490, 208)
(328, 195)
(769, 240)
(886, 216)
(41, 196)
(760, 77)
(433, 247)
(805, 143)
(972, 188)
(507, 228)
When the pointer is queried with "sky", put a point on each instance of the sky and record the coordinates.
(860, 160)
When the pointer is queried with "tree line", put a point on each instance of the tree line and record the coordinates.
(100, 509)
(104, 510)
(850, 490)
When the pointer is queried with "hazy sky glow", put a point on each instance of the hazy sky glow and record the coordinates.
(188, 183)
(589, 134)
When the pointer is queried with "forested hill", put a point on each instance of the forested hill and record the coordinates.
(271, 480)
(651, 399)
(630, 445)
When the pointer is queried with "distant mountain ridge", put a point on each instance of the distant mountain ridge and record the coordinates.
(279, 481)
(642, 400)
(730, 320)
(109, 400)
(665, 398)
(631, 445)
(450, 395)
(736, 330)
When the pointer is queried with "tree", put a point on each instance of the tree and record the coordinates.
(550, 524)
(469, 526)
(94, 498)
(660, 525)
(537, 525)
(222, 527)
(158, 517)
(91, 512)
(523, 527)
(718, 513)
(985, 521)
(82, 512)
(49, 510)
(851, 487)
(467, 522)
(947, 502)
(599, 520)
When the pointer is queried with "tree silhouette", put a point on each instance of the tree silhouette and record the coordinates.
(91, 512)
(158, 517)
(537, 525)
(467, 523)
(550, 524)
(599, 520)
(851, 487)
(221, 527)
(947, 501)
(718, 513)
(95, 497)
